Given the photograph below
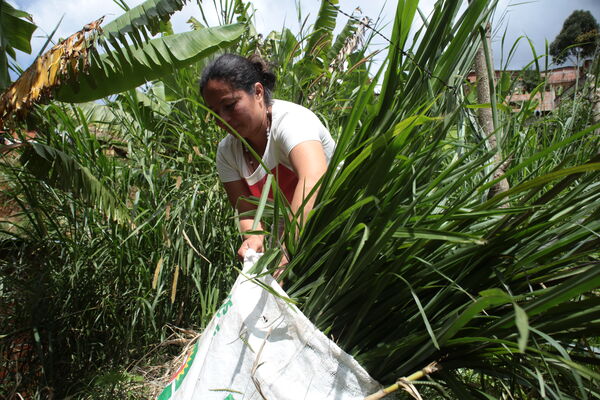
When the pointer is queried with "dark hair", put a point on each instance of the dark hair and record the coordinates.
(241, 73)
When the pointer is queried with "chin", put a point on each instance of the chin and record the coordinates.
(238, 133)
(230, 131)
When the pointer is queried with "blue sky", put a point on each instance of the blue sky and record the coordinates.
(540, 20)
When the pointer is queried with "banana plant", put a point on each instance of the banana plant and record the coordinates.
(141, 22)
(76, 71)
(321, 37)
(16, 29)
(127, 68)
(119, 68)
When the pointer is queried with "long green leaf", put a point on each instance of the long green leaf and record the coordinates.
(346, 33)
(320, 39)
(16, 28)
(60, 170)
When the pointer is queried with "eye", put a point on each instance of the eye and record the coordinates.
(230, 106)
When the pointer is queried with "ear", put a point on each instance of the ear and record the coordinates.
(259, 91)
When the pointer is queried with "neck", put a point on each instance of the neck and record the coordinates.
(259, 144)
(259, 140)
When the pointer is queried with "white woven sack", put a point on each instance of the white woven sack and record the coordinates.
(259, 346)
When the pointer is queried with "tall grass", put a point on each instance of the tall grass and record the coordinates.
(403, 262)
(100, 291)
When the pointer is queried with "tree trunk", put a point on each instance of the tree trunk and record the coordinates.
(485, 116)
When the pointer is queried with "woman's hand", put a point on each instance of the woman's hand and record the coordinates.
(254, 242)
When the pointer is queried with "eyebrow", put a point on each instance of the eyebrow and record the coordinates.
(231, 97)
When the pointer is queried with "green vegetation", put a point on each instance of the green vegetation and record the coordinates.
(123, 230)
(15, 34)
(531, 79)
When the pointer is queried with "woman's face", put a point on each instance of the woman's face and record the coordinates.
(245, 112)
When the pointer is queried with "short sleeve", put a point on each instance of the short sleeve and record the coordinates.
(226, 165)
(297, 127)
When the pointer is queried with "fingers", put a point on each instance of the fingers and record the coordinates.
(250, 243)
(243, 249)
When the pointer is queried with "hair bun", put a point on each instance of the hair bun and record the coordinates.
(264, 69)
(258, 62)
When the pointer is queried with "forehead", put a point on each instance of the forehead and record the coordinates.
(218, 90)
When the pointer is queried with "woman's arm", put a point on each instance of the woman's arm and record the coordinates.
(309, 163)
(235, 191)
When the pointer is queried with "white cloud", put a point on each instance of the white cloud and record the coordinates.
(75, 14)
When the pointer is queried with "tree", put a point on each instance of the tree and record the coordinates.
(578, 37)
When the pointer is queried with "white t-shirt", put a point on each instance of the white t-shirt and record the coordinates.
(291, 124)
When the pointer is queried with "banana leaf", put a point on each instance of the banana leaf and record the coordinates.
(146, 16)
(129, 67)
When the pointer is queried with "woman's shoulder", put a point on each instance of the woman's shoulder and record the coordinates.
(285, 113)
(283, 107)
(227, 141)
(228, 146)
(293, 124)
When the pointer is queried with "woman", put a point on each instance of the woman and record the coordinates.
(293, 143)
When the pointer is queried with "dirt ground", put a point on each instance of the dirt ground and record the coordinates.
(8, 207)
